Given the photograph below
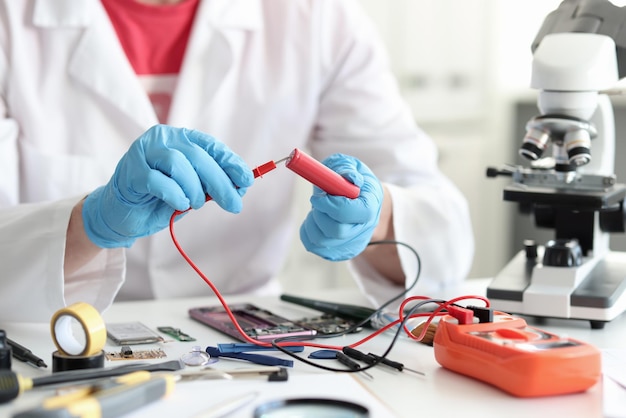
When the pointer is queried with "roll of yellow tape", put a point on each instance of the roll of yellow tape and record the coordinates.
(93, 328)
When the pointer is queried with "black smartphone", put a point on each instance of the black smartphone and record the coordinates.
(256, 322)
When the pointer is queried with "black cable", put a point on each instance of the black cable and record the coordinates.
(369, 366)
(275, 343)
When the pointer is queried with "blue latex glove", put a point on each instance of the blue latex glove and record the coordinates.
(338, 228)
(165, 169)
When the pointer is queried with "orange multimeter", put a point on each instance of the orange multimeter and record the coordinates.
(521, 360)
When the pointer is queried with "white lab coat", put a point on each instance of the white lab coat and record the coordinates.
(263, 76)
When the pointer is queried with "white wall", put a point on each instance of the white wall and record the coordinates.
(461, 66)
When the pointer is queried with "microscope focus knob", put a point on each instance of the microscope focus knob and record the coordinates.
(563, 253)
(530, 247)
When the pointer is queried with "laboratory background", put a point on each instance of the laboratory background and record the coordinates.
(464, 69)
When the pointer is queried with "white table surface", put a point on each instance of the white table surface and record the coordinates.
(406, 394)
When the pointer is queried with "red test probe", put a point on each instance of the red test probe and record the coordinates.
(312, 170)
(323, 177)
(303, 165)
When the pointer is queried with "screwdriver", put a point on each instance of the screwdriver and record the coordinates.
(370, 358)
(24, 354)
(126, 394)
(12, 384)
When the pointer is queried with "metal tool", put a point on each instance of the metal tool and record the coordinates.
(24, 354)
(274, 373)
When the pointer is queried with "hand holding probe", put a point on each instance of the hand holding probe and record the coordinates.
(312, 170)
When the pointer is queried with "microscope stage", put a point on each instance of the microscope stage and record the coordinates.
(566, 197)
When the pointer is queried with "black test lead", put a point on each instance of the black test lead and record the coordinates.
(353, 365)
(373, 359)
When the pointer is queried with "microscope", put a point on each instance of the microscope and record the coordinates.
(577, 56)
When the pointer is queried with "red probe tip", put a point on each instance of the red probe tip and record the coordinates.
(264, 169)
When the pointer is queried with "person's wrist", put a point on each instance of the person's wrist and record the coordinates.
(96, 227)
(79, 249)
(384, 228)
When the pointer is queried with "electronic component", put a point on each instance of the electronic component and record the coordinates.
(127, 353)
(521, 360)
(176, 333)
(257, 323)
(128, 333)
(328, 324)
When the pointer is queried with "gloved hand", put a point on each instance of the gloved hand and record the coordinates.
(165, 169)
(338, 228)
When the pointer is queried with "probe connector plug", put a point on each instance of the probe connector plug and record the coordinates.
(463, 315)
